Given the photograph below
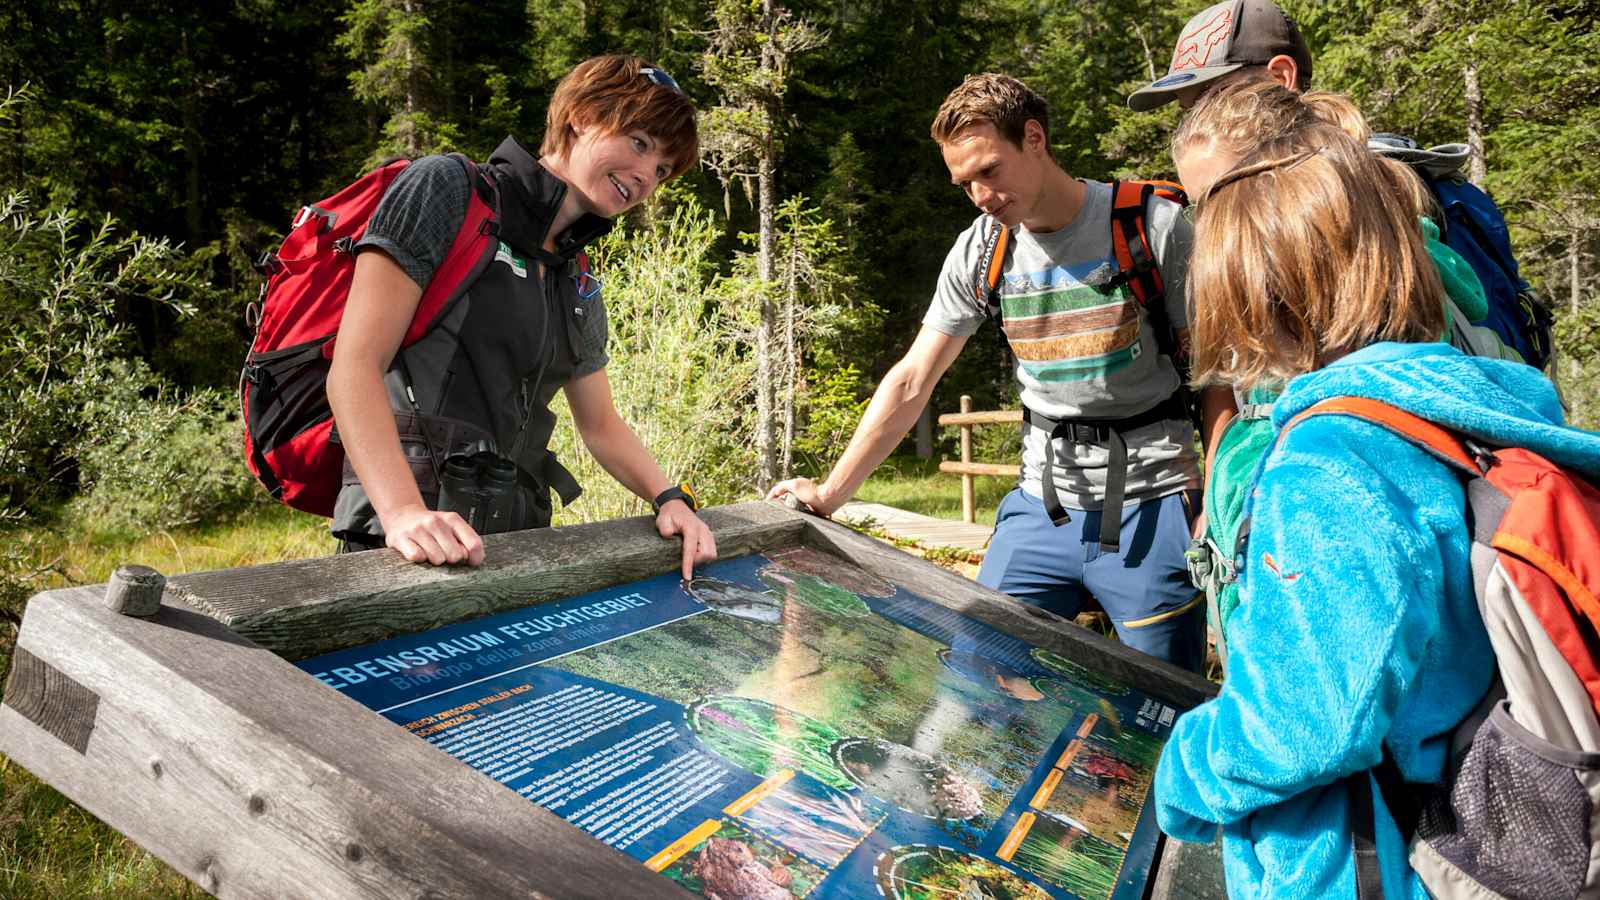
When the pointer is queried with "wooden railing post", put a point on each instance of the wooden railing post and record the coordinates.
(966, 420)
(969, 512)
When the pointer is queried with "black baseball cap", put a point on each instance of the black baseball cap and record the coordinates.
(1221, 39)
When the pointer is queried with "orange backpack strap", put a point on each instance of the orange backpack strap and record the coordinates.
(1441, 442)
(1137, 268)
(991, 265)
(1136, 259)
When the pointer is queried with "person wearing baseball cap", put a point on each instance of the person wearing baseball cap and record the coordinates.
(1228, 38)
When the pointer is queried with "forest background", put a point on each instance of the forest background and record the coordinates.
(149, 151)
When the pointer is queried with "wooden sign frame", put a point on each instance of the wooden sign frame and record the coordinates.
(194, 734)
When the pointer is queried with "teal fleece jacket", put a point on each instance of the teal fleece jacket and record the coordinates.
(1357, 627)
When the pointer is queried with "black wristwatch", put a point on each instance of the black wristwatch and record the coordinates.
(676, 492)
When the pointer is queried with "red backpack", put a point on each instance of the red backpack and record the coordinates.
(289, 443)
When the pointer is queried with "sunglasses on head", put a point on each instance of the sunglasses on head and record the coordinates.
(657, 76)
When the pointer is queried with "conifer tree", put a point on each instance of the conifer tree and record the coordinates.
(747, 59)
(389, 39)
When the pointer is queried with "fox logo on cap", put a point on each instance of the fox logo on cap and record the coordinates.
(1194, 48)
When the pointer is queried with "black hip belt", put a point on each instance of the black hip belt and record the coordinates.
(1099, 431)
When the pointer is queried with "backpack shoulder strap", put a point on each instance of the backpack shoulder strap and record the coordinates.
(1130, 240)
(991, 266)
(1444, 444)
(1465, 196)
(1136, 259)
(468, 254)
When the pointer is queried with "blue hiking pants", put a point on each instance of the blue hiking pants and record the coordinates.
(1144, 587)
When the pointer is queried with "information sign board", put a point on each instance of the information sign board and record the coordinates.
(789, 725)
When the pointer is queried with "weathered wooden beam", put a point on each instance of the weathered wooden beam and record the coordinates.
(1036, 626)
(253, 779)
(308, 607)
(1189, 872)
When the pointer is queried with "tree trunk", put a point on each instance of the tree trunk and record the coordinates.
(1476, 165)
(1573, 398)
(1149, 56)
(191, 147)
(791, 359)
(766, 326)
(1574, 248)
(412, 147)
(448, 78)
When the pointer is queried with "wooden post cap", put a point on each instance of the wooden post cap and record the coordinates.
(135, 590)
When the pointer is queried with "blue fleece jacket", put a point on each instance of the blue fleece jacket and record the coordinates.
(1357, 627)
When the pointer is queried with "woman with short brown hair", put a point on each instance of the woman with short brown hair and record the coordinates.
(477, 385)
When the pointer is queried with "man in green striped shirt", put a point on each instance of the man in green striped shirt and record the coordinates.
(1088, 363)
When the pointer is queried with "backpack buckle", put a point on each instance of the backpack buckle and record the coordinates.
(1110, 285)
(1227, 569)
(1481, 455)
(1208, 565)
(267, 264)
(1198, 559)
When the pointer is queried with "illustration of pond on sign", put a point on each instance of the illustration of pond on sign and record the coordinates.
(815, 592)
(764, 738)
(907, 778)
(989, 673)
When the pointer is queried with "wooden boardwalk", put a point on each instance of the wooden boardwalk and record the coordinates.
(925, 530)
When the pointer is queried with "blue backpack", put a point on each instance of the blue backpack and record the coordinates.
(1473, 226)
(1475, 229)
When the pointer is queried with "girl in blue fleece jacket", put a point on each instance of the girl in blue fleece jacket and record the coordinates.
(1357, 628)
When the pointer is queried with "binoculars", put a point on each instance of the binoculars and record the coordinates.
(481, 488)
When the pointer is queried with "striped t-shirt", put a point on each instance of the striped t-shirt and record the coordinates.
(1080, 352)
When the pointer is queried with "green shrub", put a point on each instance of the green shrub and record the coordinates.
(63, 279)
(1578, 351)
(676, 374)
(836, 400)
(151, 464)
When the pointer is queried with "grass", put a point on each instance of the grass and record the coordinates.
(917, 485)
(263, 534)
